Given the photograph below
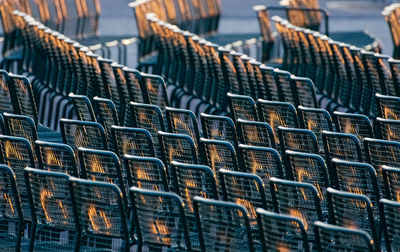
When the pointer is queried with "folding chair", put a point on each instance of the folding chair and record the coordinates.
(301, 140)
(83, 107)
(16, 152)
(222, 225)
(255, 133)
(219, 128)
(148, 117)
(101, 213)
(291, 234)
(132, 141)
(338, 238)
(299, 200)
(6, 104)
(52, 213)
(56, 158)
(145, 172)
(353, 211)
(388, 129)
(242, 107)
(304, 92)
(83, 134)
(12, 220)
(342, 146)
(219, 155)
(278, 114)
(159, 220)
(390, 223)
(190, 181)
(388, 106)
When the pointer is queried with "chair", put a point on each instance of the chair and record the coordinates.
(356, 124)
(380, 153)
(135, 87)
(177, 147)
(338, 238)
(255, 133)
(342, 146)
(156, 90)
(219, 155)
(268, 37)
(394, 69)
(52, 211)
(390, 225)
(388, 106)
(101, 213)
(219, 128)
(270, 84)
(390, 177)
(16, 152)
(83, 107)
(309, 168)
(12, 219)
(6, 104)
(291, 234)
(315, 120)
(299, 200)
(353, 211)
(132, 141)
(278, 114)
(107, 113)
(159, 220)
(83, 134)
(304, 92)
(148, 117)
(391, 14)
(242, 107)
(388, 129)
(222, 225)
(56, 157)
(301, 140)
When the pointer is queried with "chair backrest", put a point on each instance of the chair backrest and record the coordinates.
(266, 31)
(388, 106)
(11, 208)
(298, 199)
(304, 92)
(83, 134)
(156, 90)
(218, 128)
(159, 219)
(388, 129)
(391, 180)
(135, 87)
(353, 211)
(290, 235)
(255, 133)
(6, 104)
(83, 107)
(342, 146)
(394, 65)
(107, 113)
(356, 124)
(132, 141)
(219, 155)
(100, 212)
(391, 14)
(338, 238)
(242, 107)
(56, 157)
(390, 223)
(301, 140)
(231, 222)
(51, 204)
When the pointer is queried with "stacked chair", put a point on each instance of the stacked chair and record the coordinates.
(248, 162)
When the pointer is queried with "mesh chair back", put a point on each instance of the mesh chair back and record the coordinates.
(301, 140)
(148, 117)
(17, 153)
(337, 238)
(100, 212)
(388, 129)
(107, 113)
(222, 225)
(391, 180)
(255, 133)
(356, 124)
(394, 65)
(6, 104)
(357, 178)
(56, 157)
(132, 141)
(146, 172)
(83, 107)
(270, 84)
(51, 208)
(290, 235)
(388, 106)
(342, 146)
(219, 155)
(135, 87)
(156, 90)
(11, 209)
(285, 90)
(218, 128)
(242, 107)
(304, 91)
(159, 219)
(83, 134)
(278, 114)
(353, 211)
(297, 199)
(390, 223)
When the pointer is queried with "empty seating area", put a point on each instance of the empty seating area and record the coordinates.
(200, 147)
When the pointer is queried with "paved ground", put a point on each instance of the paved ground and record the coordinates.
(238, 17)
